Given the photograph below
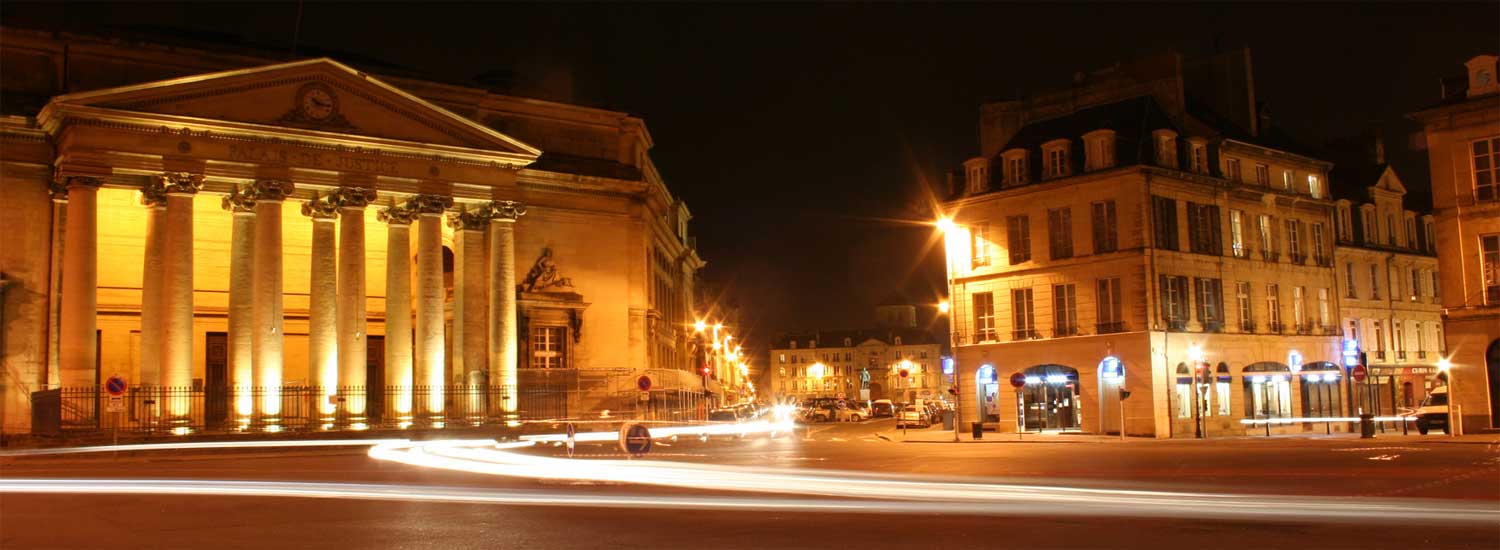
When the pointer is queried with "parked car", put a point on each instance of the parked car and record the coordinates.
(909, 416)
(724, 415)
(882, 407)
(1433, 413)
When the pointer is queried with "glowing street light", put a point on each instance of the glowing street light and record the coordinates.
(945, 224)
(943, 307)
(1446, 365)
(699, 326)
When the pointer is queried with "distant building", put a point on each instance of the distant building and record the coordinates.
(1462, 133)
(1145, 229)
(1388, 282)
(860, 363)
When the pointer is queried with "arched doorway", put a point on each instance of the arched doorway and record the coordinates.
(987, 394)
(1268, 392)
(1050, 398)
(1492, 368)
(1111, 381)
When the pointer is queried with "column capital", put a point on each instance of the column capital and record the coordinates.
(272, 190)
(240, 199)
(58, 191)
(430, 204)
(469, 221)
(352, 197)
(396, 214)
(173, 183)
(154, 194)
(321, 208)
(506, 211)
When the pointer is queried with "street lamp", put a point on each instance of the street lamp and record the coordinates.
(1195, 355)
(1445, 365)
(949, 229)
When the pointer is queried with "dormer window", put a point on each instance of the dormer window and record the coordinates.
(1055, 157)
(848, 342)
(1411, 230)
(1166, 148)
(1367, 224)
(1341, 226)
(1198, 154)
(1315, 186)
(898, 340)
(794, 342)
(977, 174)
(1099, 150)
(1015, 166)
(1232, 169)
(1428, 231)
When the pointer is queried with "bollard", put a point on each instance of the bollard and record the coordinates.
(1366, 426)
(977, 429)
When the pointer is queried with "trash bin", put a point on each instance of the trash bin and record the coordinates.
(1366, 426)
(978, 430)
(947, 420)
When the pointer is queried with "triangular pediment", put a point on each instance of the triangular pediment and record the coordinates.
(1390, 182)
(316, 94)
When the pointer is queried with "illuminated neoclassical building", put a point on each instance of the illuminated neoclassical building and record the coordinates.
(259, 243)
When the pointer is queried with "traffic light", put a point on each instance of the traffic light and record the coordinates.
(1362, 358)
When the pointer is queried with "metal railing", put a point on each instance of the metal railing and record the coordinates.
(304, 408)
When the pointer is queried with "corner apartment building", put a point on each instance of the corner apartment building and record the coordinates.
(1462, 133)
(1146, 229)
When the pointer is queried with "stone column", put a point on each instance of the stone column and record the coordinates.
(77, 349)
(59, 192)
(398, 366)
(241, 204)
(154, 198)
(266, 354)
(470, 307)
(351, 299)
(430, 293)
(177, 290)
(322, 305)
(502, 298)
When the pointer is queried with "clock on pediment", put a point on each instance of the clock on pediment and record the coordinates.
(317, 105)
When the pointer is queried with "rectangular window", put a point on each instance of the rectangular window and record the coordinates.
(1286, 180)
(1379, 339)
(1415, 291)
(1022, 318)
(1106, 233)
(1294, 240)
(1299, 317)
(1489, 250)
(1107, 303)
(1232, 169)
(1018, 237)
(1349, 280)
(1437, 294)
(1263, 174)
(1273, 308)
(1374, 282)
(1411, 232)
(1203, 229)
(1247, 315)
(1390, 230)
(1164, 220)
(1320, 252)
(1210, 304)
(1200, 158)
(1398, 338)
(1237, 233)
(1060, 233)
(1323, 310)
(1314, 186)
(984, 317)
(1064, 310)
(1486, 174)
(1267, 395)
(1222, 395)
(548, 348)
(1267, 240)
(1015, 169)
(1174, 302)
(979, 237)
(1057, 162)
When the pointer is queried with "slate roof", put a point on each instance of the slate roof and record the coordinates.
(1133, 120)
(835, 338)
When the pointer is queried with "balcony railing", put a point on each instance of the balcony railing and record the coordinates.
(1380, 354)
(1247, 327)
(1270, 256)
(1275, 327)
(1304, 328)
(1297, 258)
(1213, 326)
(1058, 332)
(1401, 355)
(1421, 355)
(1176, 324)
(1024, 334)
(1323, 261)
(1109, 328)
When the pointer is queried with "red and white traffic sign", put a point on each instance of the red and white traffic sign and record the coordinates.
(1018, 380)
(644, 383)
(1358, 373)
(116, 386)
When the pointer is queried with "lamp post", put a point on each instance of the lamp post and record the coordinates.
(948, 228)
(1195, 355)
(1446, 366)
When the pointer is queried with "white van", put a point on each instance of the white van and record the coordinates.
(1433, 413)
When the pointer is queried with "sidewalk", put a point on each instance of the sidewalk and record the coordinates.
(938, 435)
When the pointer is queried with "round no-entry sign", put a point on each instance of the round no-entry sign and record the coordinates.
(644, 383)
(1018, 380)
(1358, 373)
(116, 386)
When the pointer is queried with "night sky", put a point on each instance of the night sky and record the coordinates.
(801, 134)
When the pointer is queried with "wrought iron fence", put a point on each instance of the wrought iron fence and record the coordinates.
(296, 408)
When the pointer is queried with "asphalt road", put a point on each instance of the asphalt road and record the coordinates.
(1367, 470)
